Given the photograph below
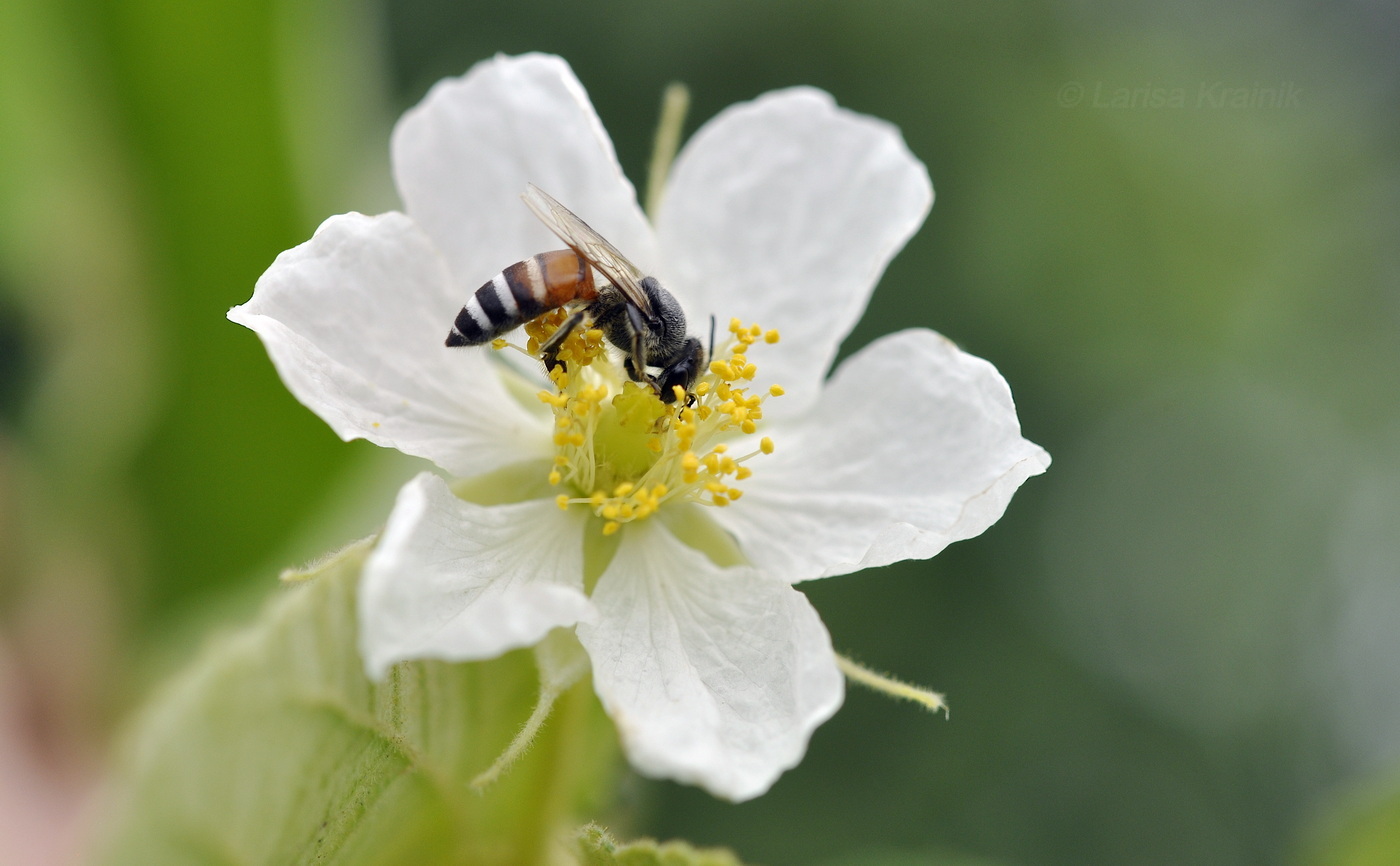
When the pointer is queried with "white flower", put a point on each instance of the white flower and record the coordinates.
(783, 211)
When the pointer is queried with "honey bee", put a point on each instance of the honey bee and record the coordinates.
(633, 311)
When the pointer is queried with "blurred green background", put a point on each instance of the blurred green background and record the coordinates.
(1174, 228)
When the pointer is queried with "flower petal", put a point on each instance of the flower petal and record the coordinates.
(713, 676)
(355, 319)
(784, 211)
(914, 445)
(457, 581)
(463, 155)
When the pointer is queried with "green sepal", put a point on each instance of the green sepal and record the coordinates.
(274, 748)
(596, 848)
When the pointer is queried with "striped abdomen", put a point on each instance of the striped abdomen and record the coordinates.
(520, 293)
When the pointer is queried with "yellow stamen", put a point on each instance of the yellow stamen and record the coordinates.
(623, 452)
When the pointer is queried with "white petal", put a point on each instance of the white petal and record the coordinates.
(713, 676)
(355, 320)
(463, 155)
(784, 211)
(457, 581)
(914, 445)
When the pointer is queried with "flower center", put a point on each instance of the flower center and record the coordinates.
(623, 453)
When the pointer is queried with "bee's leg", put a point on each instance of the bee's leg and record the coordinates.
(683, 371)
(549, 352)
(636, 363)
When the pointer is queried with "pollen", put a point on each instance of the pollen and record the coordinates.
(622, 453)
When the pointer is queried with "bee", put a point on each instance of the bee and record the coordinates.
(633, 310)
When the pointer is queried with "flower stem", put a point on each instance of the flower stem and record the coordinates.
(857, 673)
(674, 105)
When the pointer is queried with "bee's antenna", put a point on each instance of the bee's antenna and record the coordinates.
(712, 337)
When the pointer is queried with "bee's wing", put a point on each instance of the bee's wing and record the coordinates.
(593, 247)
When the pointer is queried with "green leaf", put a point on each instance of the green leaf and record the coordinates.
(274, 748)
(596, 848)
(1363, 831)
